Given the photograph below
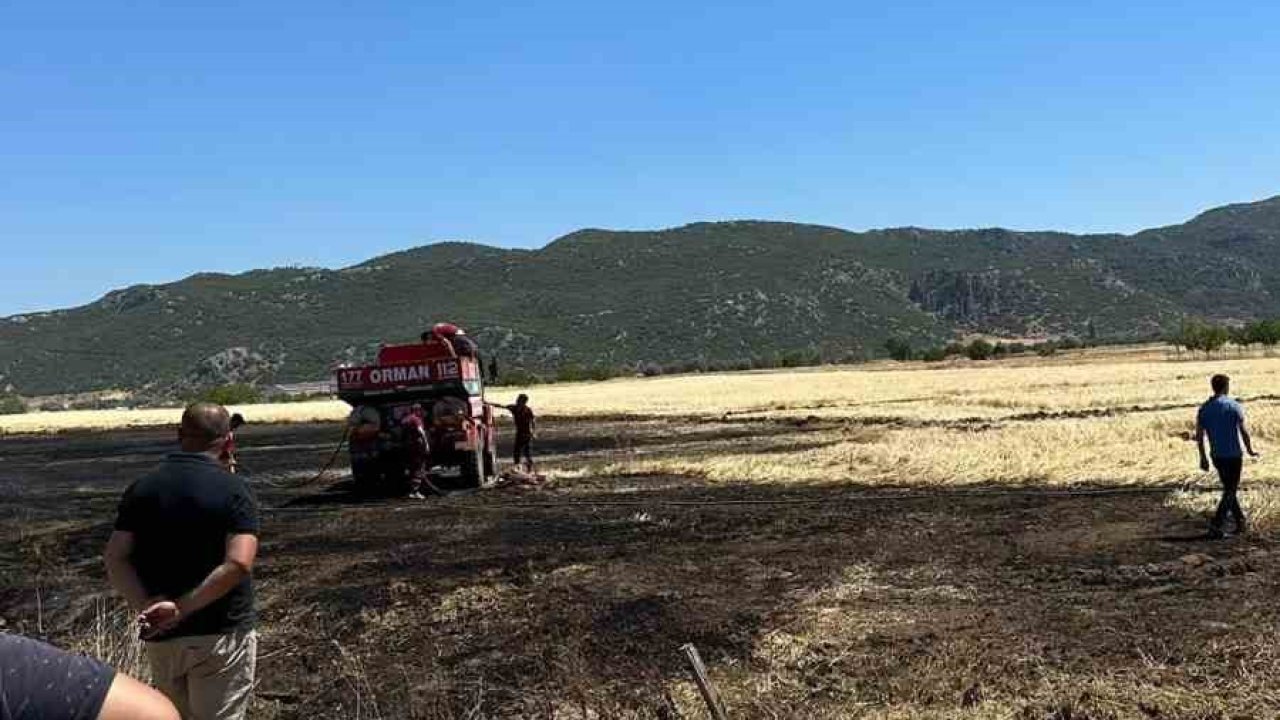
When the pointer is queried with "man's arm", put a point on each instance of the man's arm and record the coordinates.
(1248, 441)
(1204, 458)
(128, 699)
(118, 557)
(242, 551)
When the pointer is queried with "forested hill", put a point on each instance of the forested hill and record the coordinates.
(714, 293)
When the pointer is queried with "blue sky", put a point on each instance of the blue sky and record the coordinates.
(144, 141)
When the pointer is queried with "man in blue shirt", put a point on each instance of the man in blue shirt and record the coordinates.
(1223, 420)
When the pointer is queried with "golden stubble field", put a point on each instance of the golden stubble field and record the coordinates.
(1109, 417)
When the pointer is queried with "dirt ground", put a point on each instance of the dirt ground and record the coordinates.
(833, 600)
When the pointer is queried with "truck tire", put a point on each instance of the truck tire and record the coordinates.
(366, 479)
(490, 459)
(473, 475)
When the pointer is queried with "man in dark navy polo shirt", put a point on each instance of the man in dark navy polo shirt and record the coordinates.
(1222, 419)
(182, 555)
(41, 682)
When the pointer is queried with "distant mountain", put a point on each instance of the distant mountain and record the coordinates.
(706, 292)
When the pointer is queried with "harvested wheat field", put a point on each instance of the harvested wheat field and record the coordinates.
(1004, 540)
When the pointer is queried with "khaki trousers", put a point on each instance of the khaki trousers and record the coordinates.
(207, 677)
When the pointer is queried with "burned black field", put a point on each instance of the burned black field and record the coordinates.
(818, 600)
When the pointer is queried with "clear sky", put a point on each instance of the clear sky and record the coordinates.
(144, 141)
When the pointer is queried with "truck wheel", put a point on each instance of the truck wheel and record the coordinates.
(473, 468)
(490, 460)
(365, 478)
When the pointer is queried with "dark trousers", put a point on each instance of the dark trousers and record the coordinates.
(417, 460)
(416, 474)
(523, 447)
(1229, 473)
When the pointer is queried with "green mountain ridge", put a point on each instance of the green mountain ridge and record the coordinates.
(709, 292)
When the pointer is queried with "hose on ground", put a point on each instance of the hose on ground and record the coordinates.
(333, 457)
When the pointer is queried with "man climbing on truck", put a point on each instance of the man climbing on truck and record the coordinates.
(525, 420)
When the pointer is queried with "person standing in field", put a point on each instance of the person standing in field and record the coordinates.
(1222, 419)
(417, 449)
(40, 682)
(228, 456)
(182, 555)
(525, 421)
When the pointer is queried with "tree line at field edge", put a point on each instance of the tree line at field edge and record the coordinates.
(1196, 335)
(901, 349)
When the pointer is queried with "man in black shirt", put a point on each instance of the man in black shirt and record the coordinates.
(524, 419)
(182, 555)
(41, 682)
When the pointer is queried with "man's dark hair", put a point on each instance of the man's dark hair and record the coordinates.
(205, 422)
(1220, 384)
(236, 421)
(522, 399)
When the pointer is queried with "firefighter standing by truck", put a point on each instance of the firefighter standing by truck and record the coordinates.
(228, 457)
(417, 450)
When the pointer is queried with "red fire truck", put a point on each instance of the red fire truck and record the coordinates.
(441, 376)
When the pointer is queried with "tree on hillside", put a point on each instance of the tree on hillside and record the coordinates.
(1190, 335)
(233, 394)
(979, 350)
(934, 354)
(1240, 337)
(1199, 335)
(11, 404)
(899, 348)
(1214, 338)
(1265, 333)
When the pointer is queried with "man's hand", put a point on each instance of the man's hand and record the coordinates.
(1204, 464)
(1253, 453)
(158, 618)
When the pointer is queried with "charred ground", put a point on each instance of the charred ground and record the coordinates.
(818, 601)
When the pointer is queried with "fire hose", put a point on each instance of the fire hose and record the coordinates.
(328, 465)
(333, 457)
